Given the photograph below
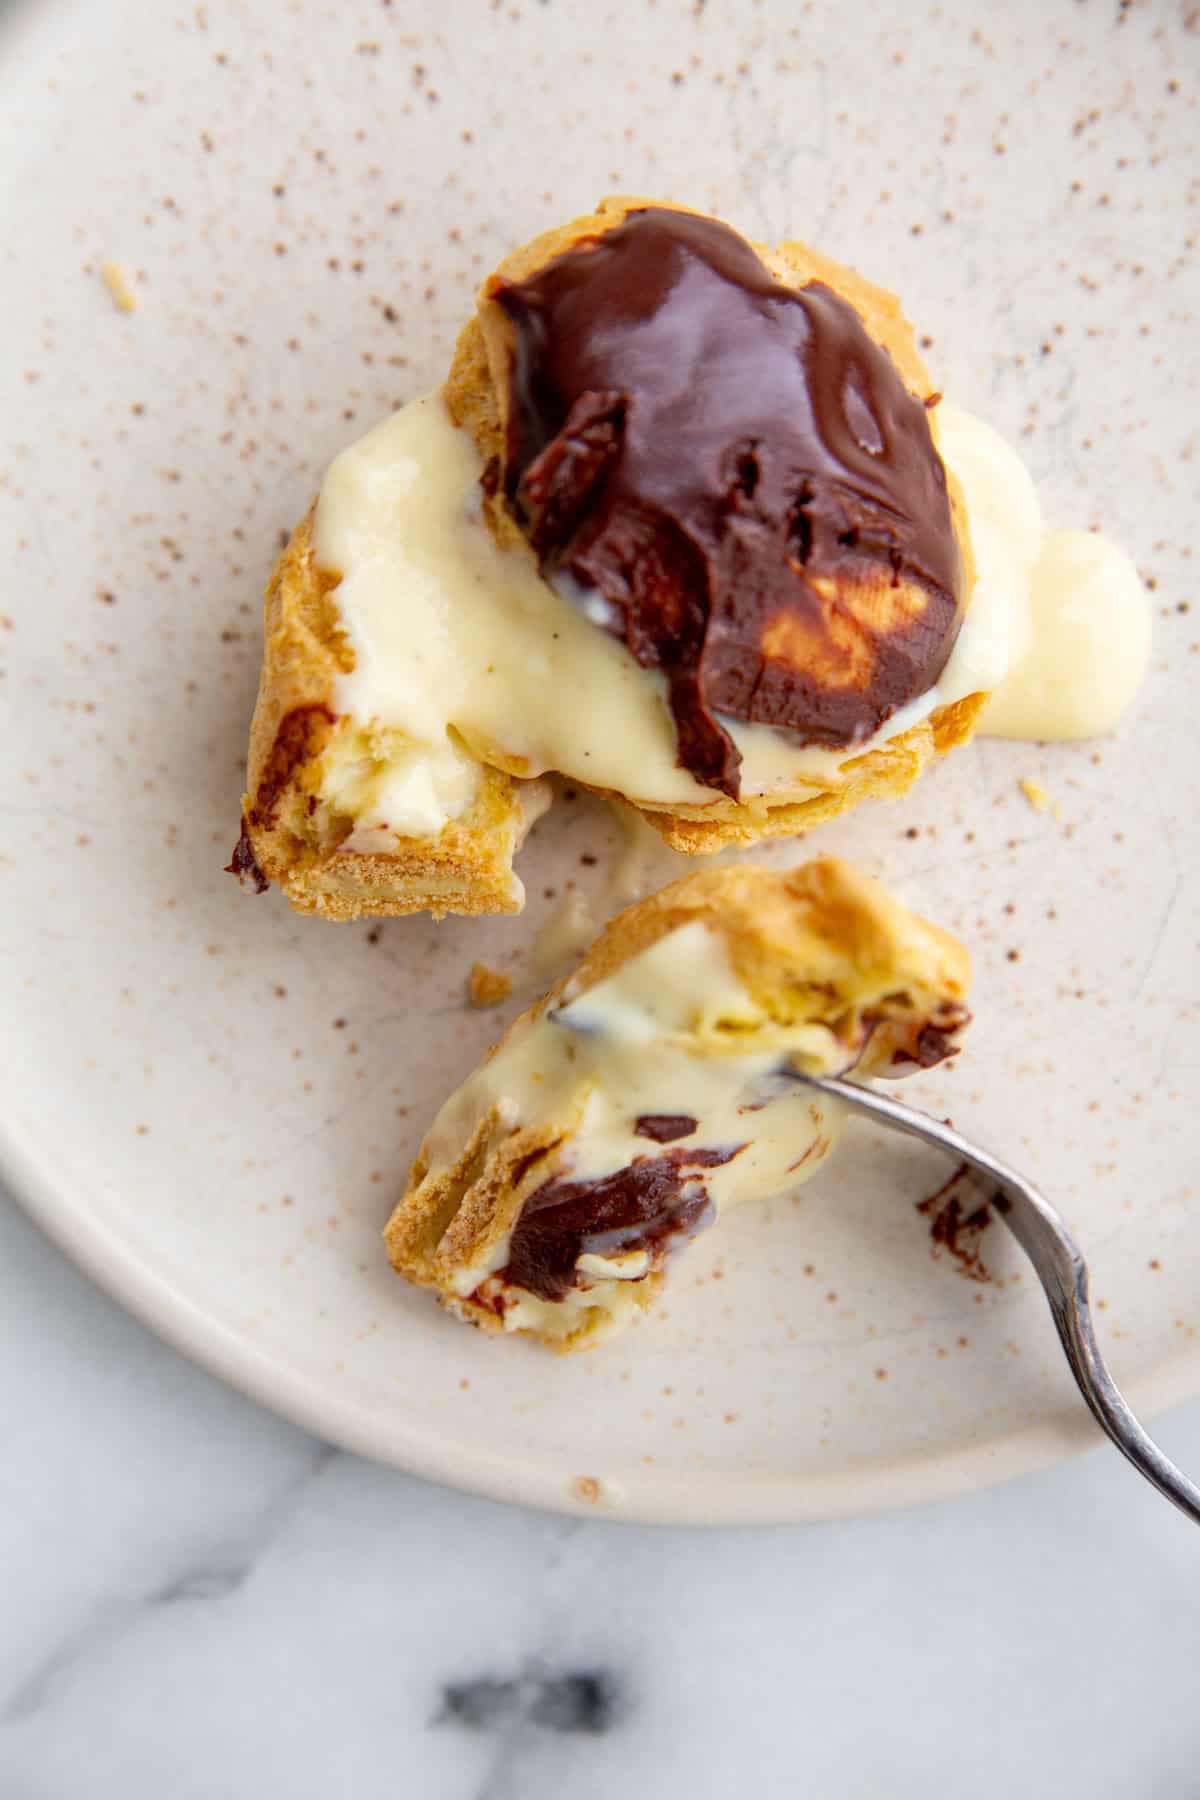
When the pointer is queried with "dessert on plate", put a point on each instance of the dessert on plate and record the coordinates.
(688, 524)
(677, 527)
(655, 1088)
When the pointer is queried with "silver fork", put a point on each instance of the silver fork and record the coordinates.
(1060, 1267)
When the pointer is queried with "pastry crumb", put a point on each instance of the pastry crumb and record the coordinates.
(487, 987)
(120, 287)
(1035, 793)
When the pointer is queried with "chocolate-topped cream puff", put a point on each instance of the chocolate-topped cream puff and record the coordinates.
(655, 1088)
(677, 527)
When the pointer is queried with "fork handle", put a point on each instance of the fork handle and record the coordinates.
(1063, 1273)
(1060, 1266)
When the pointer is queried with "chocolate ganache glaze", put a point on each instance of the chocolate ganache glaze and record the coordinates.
(740, 475)
(645, 1206)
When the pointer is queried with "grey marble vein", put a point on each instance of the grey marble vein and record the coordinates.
(567, 1703)
(220, 1573)
(584, 1700)
(549, 1695)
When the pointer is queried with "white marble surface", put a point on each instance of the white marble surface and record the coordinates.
(199, 1600)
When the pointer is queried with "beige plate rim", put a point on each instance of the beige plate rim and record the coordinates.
(645, 1497)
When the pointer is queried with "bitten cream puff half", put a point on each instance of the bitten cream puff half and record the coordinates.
(655, 1088)
(676, 527)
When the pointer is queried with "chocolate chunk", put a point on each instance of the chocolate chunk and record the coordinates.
(664, 1128)
(641, 1207)
(935, 1040)
(244, 864)
(739, 470)
(958, 1217)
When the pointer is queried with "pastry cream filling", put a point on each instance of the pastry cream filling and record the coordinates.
(463, 651)
(1085, 648)
(672, 1032)
(454, 637)
(1062, 621)
(394, 786)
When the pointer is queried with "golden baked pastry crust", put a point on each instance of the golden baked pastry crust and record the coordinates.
(822, 943)
(295, 839)
(291, 835)
(882, 774)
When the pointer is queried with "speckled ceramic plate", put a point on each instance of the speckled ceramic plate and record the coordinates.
(210, 1102)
